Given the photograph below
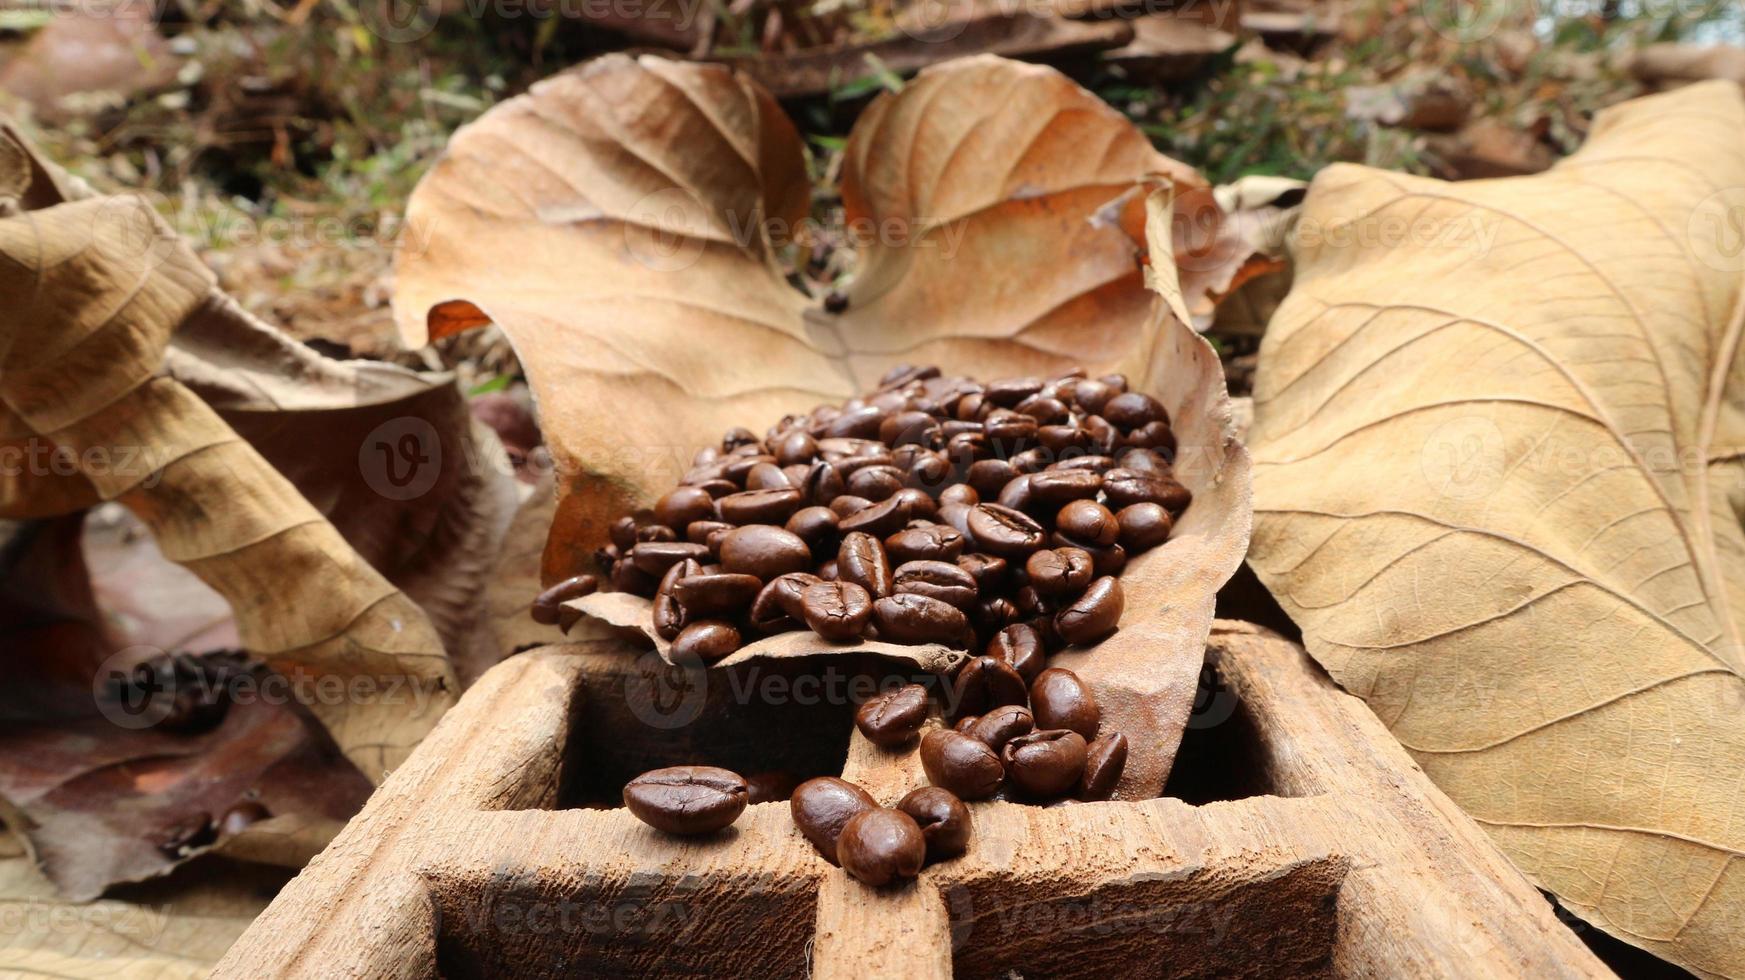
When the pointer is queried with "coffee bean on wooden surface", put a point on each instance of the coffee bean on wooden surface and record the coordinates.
(1059, 571)
(943, 819)
(1021, 646)
(1045, 763)
(1059, 698)
(1105, 758)
(986, 683)
(1093, 615)
(881, 846)
(1001, 725)
(894, 717)
(837, 611)
(820, 807)
(687, 799)
(546, 605)
(961, 764)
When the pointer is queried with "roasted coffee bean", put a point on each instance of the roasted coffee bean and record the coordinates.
(738, 438)
(1144, 461)
(1094, 615)
(738, 467)
(857, 423)
(1045, 410)
(1156, 436)
(937, 580)
(909, 429)
(1111, 560)
(847, 505)
(546, 606)
(988, 571)
(1059, 571)
(956, 517)
(623, 533)
(993, 615)
(778, 606)
(1143, 526)
(1105, 438)
(655, 557)
(933, 542)
(626, 577)
(823, 484)
(1057, 488)
(817, 527)
(655, 532)
(988, 477)
(760, 506)
(880, 846)
(1032, 603)
(1016, 494)
(1006, 392)
(707, 640)
(861, 559)
(894, 717)
(1090, 396)
(882, 519)
(681, 506)
(1009, 433)
(1062, 442)
(1059, 699)
(1004, 532)
(669, 616)
(1045, 763)
(1021, 646)
(718, 488)
(932, 473)
(766, 476)
(1105, 758)
(965, 723)
(960, 493)
(1002, 724)
(699, 532)
(827, 570)
(795, 447)
(687, 800)
(820, 807)
(961, 764)
(943, 819)
(1125, 488)
(902, 374)
(1088, 521)
(837, 611)
(770, 786)
(910, 618)
(986, 683)
(1132, 409)
(876, 483)
(722, 595)
(1095, 464)
(1031, 460)
(918, 505)
(764, 551)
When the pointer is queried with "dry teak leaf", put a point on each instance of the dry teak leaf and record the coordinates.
(1499, 441)
(623, 225)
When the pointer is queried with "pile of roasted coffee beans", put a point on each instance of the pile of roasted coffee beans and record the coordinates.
(932, 510)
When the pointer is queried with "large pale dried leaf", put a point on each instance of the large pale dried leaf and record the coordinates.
(1498, 480)
(621, 223)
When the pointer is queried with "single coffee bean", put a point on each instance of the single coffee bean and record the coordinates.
(909, 428)
(681, 506)
(1142, 526)
(1132, 409)
(894, 717)
(956, 517)
(1016, 493)
(655, 557)
(847, 505)
(778, 607)
(961, 764)
(725, 594)
(687, 799)
(795, 448)
(1142, 460)
(943, 819)
(1156, 436)
(827, 570)
(817, 527)
(988, 571)
(1059, 571)
(986, 683)
(1006, 392)
(917, 503)
(1002, 725)
(1111, 560)
(1059, 699)
(626, 577)
(823, 484)
(1009, 433)
(760, 506)
(699, 532)
(1093, 615)
(1090, 522)
(766, 476)
(988, 477)
(933, 542)
(623, 533)
(965, 723)
(707, 640)
(960, 493)
(837, 611)
(857, 423)
(1094, 463)
(882, 519)
(1021, 646)
(739, 466)
(1054, 489)
(546, 606)
(1125, 487)
(993, 615)
(764, 551)
(1004, 532)
(910, 618)
(940, 580)
(1091, 395)
(876, 482)
(820, 807)
(738, 437)
(1045, 763)
(1045, 410)
(670, 617)
(861, 559)
(1104, 760)
(655, 532)
(931, 472)
(880, 846)
(1064, 441)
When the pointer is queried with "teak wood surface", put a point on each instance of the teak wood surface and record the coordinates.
(1348, 863)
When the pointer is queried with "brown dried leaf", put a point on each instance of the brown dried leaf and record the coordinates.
(621, 225)
(1498, 485)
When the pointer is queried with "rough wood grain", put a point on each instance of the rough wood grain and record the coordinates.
(1349, 862)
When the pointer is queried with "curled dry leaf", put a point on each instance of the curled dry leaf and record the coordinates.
(1500, 435)
(622, 225)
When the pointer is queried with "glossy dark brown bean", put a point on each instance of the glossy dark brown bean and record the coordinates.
(1021, 646)
(687, 800)
(960, 493)
(760, 506)
(894, 717)
(699, 532)
(778, 606)
(1111, 560)
(1007, 392)
(623, 532)
(1064, 441)
(909, 428)
(988, 571)
(683, 505)
(988, 477)
(837, 611)
(882, 519)
(1045, 763)
(669, 616)
(1009, 433)
(944, 820)
(858, 423)
(910, 618)
(767, 476)
(1105, 758)
(1057, 488)
(655, 532)
(1002, 724)
(1059, 698)
(965, 723)
(1091, 395)
(1042, 408)
(1156, 436)
(1125, 487)
(796, 447)
(1004, 532)
(1132, 409)
(847, 505)
(986, 683)
(1016, 493)
(881, 846)
(770, 786)
(1143, 526)
(707, 640)
(1093, 615)
(876, 483)
(931, 473)
(655, 557)
(933, 542)
(961, 764)
(817, 527)
(545, 607)
(940, 580)
(823, 484)
(738, 466)
(992, 615)
(626, 577)
(723, 595)
(820, 807)
(765, 551)
(1059, 572)
(861, 559)
(1090, 522)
